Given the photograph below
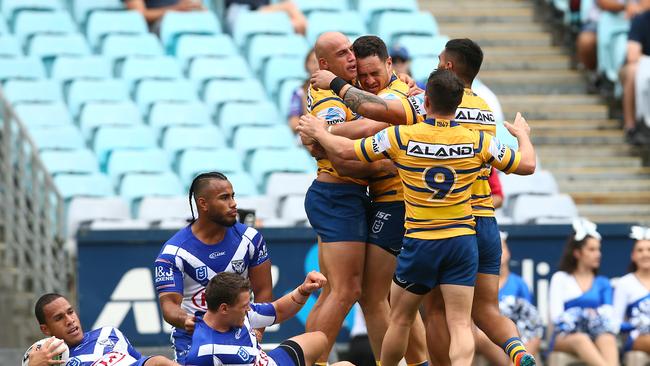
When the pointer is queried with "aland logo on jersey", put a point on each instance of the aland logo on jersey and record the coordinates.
(435, 151)
(474, 115)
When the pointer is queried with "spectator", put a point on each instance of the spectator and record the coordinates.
(401, 60)
(632, 294)
(580, 302)
(497, 195)
(638, 44)
(298, 105)
(154, 10)
(235, 7)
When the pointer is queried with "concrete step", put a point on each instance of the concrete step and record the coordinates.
(513, 62)
(602, 162)
(551, 100)
(478, 15)
(453, 28)
(616, 213)
(541, 111)
(506, 39)
(519, 52)
(596, 174)
(574, 124)
(473, 4)
(582, 152)
(612, 186)
(578, 137)
(620, 198)
(517, 82)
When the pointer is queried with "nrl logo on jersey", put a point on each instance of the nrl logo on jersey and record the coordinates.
(435, 151)
(474, 115)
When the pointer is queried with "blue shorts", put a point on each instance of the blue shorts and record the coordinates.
(489, 245)
(425, 264)
(181, 343)
(288, 353)
(338, 212)
(386, 225)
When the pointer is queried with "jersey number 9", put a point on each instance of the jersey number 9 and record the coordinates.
(440, 180)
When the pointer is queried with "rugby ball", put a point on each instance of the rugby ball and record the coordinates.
(63, 353)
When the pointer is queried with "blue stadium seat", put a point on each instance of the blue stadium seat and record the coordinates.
(249, 138)
(349, 23)
(371, 9)
(95, 115)
(39, 91)
(30, 23)
(135, 69)
(175, 24)
(10, 8)
(612, 32)
(149, 92)
(102, 23)
(124, 162)
(43, 115)
(76, 185)
(263, 162)
(81, 9)
(118, 46)
(280, 69)
(423, 45)
(218, 92)
(194, 46)
(136, 186)
(85, 91)
(51, 46)
(21, 68)
(391, 26)
(422, 66)
(81, 161)
(65, 137)
(192, 162)
(264, 47)
(168, 114)
(235, 115)
(66, 68)
(9, 46)
(179, 138)
(3, 27)
(202, 70)
(243, 184)
(251, 23)
(285, 92)
(110, 138)
(308, 6)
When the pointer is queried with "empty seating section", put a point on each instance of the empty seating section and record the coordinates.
(176, 24)
(346, 22)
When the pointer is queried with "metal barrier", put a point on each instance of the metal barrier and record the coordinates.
(33, 259)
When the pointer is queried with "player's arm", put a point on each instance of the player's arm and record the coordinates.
(261, 283)
(168, 280)
(520, 162)
(335, 146)
(289, 304)
(170, 304)
(159, 361)
(358, 169)
(360, 128)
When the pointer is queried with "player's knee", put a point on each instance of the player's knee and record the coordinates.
(347, 295)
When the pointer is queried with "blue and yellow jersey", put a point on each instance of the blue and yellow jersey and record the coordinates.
(329, 106)
(388, 187)
(475, 114)
(438, 162)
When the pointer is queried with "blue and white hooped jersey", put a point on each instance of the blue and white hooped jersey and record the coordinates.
(105, 346)
(185, 265)
(236, 347)
(632, 305)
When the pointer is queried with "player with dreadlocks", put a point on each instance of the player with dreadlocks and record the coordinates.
(214, 242)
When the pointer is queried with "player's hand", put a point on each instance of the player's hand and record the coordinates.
(519, 127)
(313, 282)
(321, 79)
(415, 91)
(407, 79)
(189, 323)
(44, 356)
(315, 149)
(310, 126)
(388, 167)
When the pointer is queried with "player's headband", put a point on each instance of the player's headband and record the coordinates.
(503, 235)
(640, 233)
(584, 228)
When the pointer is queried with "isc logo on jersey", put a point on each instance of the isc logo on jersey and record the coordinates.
(433, 151)
(332, 115)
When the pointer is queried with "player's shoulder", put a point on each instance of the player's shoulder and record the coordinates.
(180, 237)
(473, 100)
(322, 95)
(240, 230)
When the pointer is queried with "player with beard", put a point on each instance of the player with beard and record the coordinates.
(214, 242)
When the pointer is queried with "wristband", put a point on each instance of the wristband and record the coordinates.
(337, 84)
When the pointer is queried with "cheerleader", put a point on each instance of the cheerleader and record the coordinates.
(632, 294)
(581, 302)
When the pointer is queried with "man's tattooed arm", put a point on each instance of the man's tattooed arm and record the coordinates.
(372, 106)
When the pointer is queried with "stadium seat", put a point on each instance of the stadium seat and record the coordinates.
(135, 69)
(179, 138)
(124, 162)
(82, 92)
(10, 8)
(280, 184)
(66, 68)
(83, 185)
(280, 69)
(529, 208)
(3, 27)
(165, 208)
(110, 138)
(95, 115)
(50, 46)
(235, 115)
(102, 23)
(136, 186)
(118, 46)
(421, 67)
(194, 46)
(176, 23)
(21, 68)
(349, 23)
(118, 225)
(308, 6)
(30, 23)
(391, 26)
(81, 9)
(419, 46)
(43, 115)
(612, 32)
(285, 92)
(292, 209)
(65, 137)
(81, 161)
(541, 182)
(265, 207)
(243, 184)
(192, 162)
(167, 114)
(9, 46)
(87, 209)
(38, 91)
(149, 92)
(371, 9)
(251, 23)
(202, 70)
(264, 47)
(264, 161)
(218, 92)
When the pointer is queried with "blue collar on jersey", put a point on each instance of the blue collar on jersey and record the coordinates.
(432, 122)
(392, 78)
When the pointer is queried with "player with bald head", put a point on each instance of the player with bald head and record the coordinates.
(214, 242)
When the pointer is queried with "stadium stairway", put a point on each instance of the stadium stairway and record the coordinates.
(574, 136)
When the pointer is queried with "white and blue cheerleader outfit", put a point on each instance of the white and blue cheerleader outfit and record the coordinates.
(632, 308)
(516, 303)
